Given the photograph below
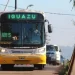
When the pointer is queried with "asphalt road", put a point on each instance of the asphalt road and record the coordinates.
(23, 70)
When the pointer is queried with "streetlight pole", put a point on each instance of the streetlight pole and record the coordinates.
(29, 6)
(15, 4)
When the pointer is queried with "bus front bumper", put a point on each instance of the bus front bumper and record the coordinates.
(22, 59)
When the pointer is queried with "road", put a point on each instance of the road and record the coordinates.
(22, 70)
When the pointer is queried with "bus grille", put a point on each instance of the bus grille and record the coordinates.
(21, 51)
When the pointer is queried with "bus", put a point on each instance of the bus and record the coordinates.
(23, 38)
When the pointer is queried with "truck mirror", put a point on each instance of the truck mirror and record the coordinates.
(49, 28)
(60, 50)
(45, 21)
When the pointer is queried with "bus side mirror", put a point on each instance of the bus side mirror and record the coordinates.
(49, 28)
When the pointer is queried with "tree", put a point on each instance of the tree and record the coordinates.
(73, 2)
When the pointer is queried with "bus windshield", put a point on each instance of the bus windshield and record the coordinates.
(22, 34)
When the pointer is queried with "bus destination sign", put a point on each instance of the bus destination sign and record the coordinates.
(16, 16)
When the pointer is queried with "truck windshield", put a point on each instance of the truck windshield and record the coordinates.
(22, 34)
(56, 48)
(50, 48)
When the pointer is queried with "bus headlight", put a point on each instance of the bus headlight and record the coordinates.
(2, 50)
(38, 51)
(41, 50)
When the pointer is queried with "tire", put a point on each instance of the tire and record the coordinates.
(58, 63)
(39, 66)
(54, 63)
(7, 66)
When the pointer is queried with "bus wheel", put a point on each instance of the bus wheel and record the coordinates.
(39, 66)
(7, 66)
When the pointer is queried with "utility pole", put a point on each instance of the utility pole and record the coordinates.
(15, 4)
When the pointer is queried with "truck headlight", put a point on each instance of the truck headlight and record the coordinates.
(54, 56)
(49, 55)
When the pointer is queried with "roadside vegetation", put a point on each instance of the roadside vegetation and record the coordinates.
(64, 69)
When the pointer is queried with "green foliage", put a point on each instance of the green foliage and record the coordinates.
(64, 70)
(73, 2)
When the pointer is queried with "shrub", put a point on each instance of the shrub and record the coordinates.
(64, 70)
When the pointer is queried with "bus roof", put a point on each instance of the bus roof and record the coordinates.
(33, 11)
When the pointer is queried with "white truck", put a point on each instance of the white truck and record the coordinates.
(53, 54)
(58, 54)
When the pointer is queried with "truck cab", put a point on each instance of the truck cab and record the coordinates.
(50, 54)
(53, 54)
(58, 54)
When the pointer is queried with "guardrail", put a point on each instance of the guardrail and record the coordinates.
(71, 62)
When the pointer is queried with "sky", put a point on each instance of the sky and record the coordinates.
(62, 25)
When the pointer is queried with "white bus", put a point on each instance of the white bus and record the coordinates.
(23, 38)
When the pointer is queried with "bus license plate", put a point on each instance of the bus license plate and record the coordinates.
(21, 58)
